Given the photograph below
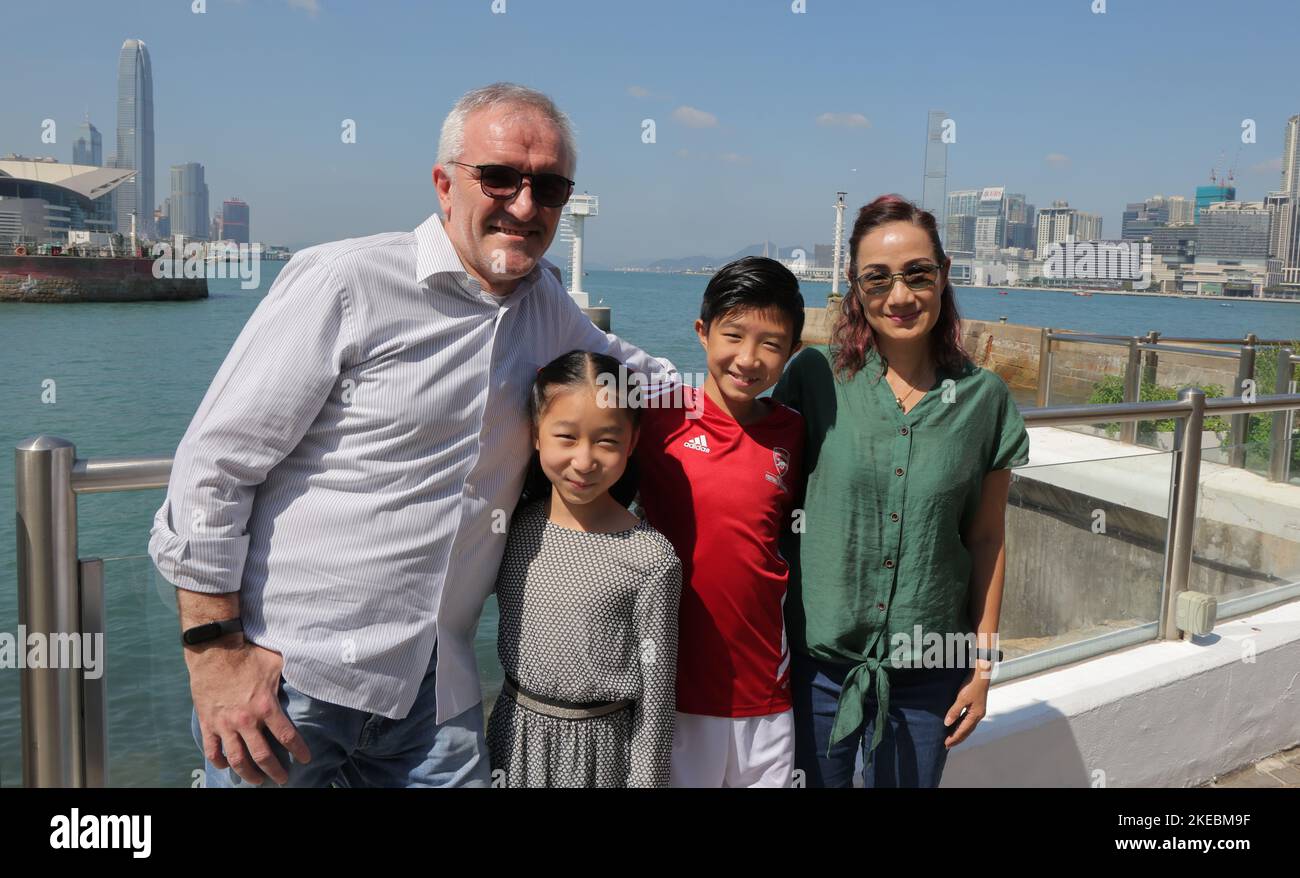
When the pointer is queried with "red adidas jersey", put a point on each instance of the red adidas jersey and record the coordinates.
(722, 493)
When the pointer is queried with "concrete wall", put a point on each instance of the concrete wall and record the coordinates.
(1011, 350)
(89, 279)
(1164, 714)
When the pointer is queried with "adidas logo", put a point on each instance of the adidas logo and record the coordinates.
(699, 443)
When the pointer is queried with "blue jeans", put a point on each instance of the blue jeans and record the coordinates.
(911, 751)
(352, 748)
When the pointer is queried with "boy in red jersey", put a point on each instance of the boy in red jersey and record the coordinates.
(718, 477)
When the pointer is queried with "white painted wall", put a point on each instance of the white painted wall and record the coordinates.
(1165, 714)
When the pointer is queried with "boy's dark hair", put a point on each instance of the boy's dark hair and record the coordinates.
(754, 283)
(571, 370)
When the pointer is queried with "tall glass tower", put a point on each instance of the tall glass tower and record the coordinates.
(135, 137)
(88, 148)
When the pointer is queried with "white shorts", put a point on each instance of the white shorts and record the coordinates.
(723, 751)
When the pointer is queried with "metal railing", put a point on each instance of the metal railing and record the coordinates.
(64, 722)
(1140, 369)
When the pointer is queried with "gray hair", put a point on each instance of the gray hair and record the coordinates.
(451, 143)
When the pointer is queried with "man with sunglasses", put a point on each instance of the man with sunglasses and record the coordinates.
(336, 510)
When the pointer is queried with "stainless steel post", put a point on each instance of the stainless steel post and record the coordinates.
(48, 604)
(1279, 460)
(1241, 423)
(1188, 443)
(1128, 430)
(1151, 364)
(1044, 367)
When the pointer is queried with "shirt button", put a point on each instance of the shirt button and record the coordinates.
(899, 471)
(880, 606)
(889, 563)
(893, 516)
(902, 431)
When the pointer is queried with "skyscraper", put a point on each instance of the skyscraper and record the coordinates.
(135, 137)
(1180, 210)
(934, 183)
(1060, 223)
(1213, 194)
(1291, 157)
(88, 148)
(189, 201)
(991, 220)
(234, 221)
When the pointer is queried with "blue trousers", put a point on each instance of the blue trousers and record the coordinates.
(911, 751)
(352, 748)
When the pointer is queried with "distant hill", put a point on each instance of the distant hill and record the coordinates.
(696, 263)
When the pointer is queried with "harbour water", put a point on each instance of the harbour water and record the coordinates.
(126, 379)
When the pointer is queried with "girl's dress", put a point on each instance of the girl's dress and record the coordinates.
(588, 641)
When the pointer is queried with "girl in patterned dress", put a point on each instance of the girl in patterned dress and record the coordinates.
(588, 597)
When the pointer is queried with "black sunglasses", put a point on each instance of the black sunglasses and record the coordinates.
(874, 282)
(503, 182)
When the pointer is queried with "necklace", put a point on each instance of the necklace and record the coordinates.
(902, 400)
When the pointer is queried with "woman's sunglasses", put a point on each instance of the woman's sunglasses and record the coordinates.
(503, 182)
(921, 276)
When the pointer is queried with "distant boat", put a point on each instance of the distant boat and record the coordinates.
(1003, 293)
(1083, 292)
(1225, 304)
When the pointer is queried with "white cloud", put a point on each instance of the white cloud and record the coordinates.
(693, 118)
(734, 158)
(1057, 160)
(310, 6)
(843, 120)
(637, 91)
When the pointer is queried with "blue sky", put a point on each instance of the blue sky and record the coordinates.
(1050, 99)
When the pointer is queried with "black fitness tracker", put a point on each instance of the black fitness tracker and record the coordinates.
(211, 631)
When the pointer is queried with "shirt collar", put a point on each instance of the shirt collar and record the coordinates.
(435, 254)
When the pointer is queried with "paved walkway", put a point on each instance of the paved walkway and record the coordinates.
(1279, 770)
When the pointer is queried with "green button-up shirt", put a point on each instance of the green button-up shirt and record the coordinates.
(888, 501)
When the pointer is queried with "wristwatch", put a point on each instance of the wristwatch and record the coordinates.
(210, 631)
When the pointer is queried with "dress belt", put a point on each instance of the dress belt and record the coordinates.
(560, 709)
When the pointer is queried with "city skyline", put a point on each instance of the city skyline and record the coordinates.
(766, 149)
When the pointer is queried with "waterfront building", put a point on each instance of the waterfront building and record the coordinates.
(234, 221)
(135, 137)
(88, 148)
(189, 201)
(41, 201)
(1233, 230)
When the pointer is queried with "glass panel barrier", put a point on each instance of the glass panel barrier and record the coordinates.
(149, 739)
(1246, 542)
(1086, 543)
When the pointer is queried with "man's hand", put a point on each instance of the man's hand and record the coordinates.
(236, 688)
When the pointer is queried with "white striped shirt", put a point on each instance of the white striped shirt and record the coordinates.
(353, 465)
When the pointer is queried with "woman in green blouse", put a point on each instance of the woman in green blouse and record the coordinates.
(896, 564)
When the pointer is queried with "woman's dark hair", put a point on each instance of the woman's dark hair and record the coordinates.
(576, 369)
(754, 283)
(851, 337)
